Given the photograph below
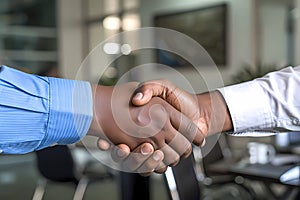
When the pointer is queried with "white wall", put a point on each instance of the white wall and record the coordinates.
(273, 29)
(70, 32)
(241, 42)
(243, 45)
(297, 33)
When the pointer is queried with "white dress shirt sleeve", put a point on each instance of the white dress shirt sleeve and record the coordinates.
(265, 105)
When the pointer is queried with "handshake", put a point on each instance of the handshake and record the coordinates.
(150, 126)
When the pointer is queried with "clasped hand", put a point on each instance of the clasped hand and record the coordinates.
(169, 128)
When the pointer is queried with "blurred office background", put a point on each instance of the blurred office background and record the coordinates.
(254, 37)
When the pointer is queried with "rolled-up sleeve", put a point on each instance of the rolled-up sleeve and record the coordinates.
(36, 112)
(265, 105)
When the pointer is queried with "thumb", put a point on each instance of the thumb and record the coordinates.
(146, 90)
(142, 97)
(103, 145)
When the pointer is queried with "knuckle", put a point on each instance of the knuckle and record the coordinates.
(191, 129)
(175, 160)
(131, 166)
(160, 170)
(132, 163)
(148, 166)
(187, 152)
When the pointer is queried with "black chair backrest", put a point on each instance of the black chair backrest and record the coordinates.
(214, 155)
(186, 180)
(56, 163)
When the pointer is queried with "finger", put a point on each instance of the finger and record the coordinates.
(120, 152)
(151, 163)
(176, 97)
(146, 174)
(103, 144)
(181, 145)
(185, 126)
(171, 157)
(137, 158)
(161, 168)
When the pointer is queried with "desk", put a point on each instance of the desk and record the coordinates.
(266, 174)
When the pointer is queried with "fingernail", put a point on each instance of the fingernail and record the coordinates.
(103, 145)
(120, 153)
(203, 143)
(157, 156)
(138, 96)
(146, 150)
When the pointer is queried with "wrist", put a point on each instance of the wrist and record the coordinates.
(101, 105)
(214, 112)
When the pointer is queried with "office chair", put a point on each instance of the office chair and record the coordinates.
(215, 154)
(134, 186)
(186, 182)
(181, 181)
(214, 172)
(56, 164)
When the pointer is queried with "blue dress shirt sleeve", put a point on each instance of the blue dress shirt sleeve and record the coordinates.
(36, 112)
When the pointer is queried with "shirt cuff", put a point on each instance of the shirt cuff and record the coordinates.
(70, 112)
(248, 106)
